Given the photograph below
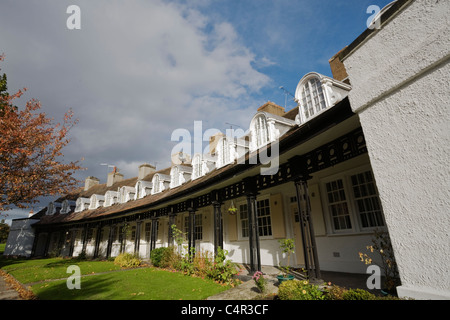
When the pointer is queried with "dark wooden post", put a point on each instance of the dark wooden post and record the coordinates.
(252, 212)
(138, 236)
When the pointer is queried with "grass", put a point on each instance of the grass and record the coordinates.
(100, 282)
(2, 248)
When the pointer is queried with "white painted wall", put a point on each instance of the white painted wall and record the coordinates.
(400, 78)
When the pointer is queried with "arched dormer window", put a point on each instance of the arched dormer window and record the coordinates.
(67, 206)
(312, 98)
(111, 197)
(202, 164)
(224, 152)
(82, 204)
(174, 177)
(156, 184)
(96, 201)
(143, 188)
(261, 131)
(197, 166)
(160, 182)
(126, 193)
(316, 93)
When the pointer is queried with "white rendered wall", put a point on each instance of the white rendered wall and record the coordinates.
(400, 78)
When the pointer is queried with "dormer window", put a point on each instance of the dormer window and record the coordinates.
(316, 93)
(67, 206)
(52, 208)
(261, 131)
(174, 177)
(197, 166)
(82, 204)
(111, 197)
(126, 193)
(266, 128)
(160, 182)
(313, 100)
(201, 165)
(143, 188)
(224, 152)
(96, 201)
(180, 174)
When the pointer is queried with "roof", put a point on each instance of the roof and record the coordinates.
(295, 136)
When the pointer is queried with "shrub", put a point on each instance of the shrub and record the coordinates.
(127, 260)
(157, 254)
(358, 294)
(299, 290)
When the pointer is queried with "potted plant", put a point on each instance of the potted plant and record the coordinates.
(287, 245)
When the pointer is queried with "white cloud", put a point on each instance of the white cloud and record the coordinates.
(135, 72)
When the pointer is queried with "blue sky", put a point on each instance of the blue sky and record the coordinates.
(138, 70)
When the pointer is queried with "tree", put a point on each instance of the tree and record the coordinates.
(4, 231)
(31, 152)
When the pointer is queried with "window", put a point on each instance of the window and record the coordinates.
(353, 202)
(133, 233)
(223, 152)
(175, 177)
(156, 186)
(367, 201)
(312, 98)
(261, 131)
(263, 215)
(198, 227)
(243, 212)
(196, 167)
(148, 230)
(337, 204)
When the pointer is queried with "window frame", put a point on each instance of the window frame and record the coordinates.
(351, 200)
(241, 236)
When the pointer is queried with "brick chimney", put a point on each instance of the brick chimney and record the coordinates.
(144, 170)
(113, 177)
(272, 108)
(338, 68)
(89, 182)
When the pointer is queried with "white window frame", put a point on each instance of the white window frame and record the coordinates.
(239, 225)
(318, 106)
(355, 217)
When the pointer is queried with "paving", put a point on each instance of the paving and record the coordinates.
(6, 291)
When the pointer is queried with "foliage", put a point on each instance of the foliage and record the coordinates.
(127, 260)
(31, 152)
(260, 281)
(287, 246)
(381, 244)
(201, 264)
(4, 231)
(157, 255)
(358, 294)
(299, 290)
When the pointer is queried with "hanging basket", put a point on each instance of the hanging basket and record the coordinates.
(232, 210)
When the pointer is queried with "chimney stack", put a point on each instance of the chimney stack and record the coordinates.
(113, 177)
(145, 169)
(272, 108)
(90, 182)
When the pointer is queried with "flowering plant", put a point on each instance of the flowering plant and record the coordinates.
(260, 281)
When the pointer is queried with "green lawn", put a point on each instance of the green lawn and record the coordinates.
(2, 248)
(102, 284)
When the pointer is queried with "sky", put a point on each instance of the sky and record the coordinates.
(136, 71)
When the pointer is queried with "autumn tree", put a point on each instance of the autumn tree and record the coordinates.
(31, 157)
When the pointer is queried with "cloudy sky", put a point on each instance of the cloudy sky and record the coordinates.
(138, 70)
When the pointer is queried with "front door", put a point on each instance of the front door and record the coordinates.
(300, 258)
